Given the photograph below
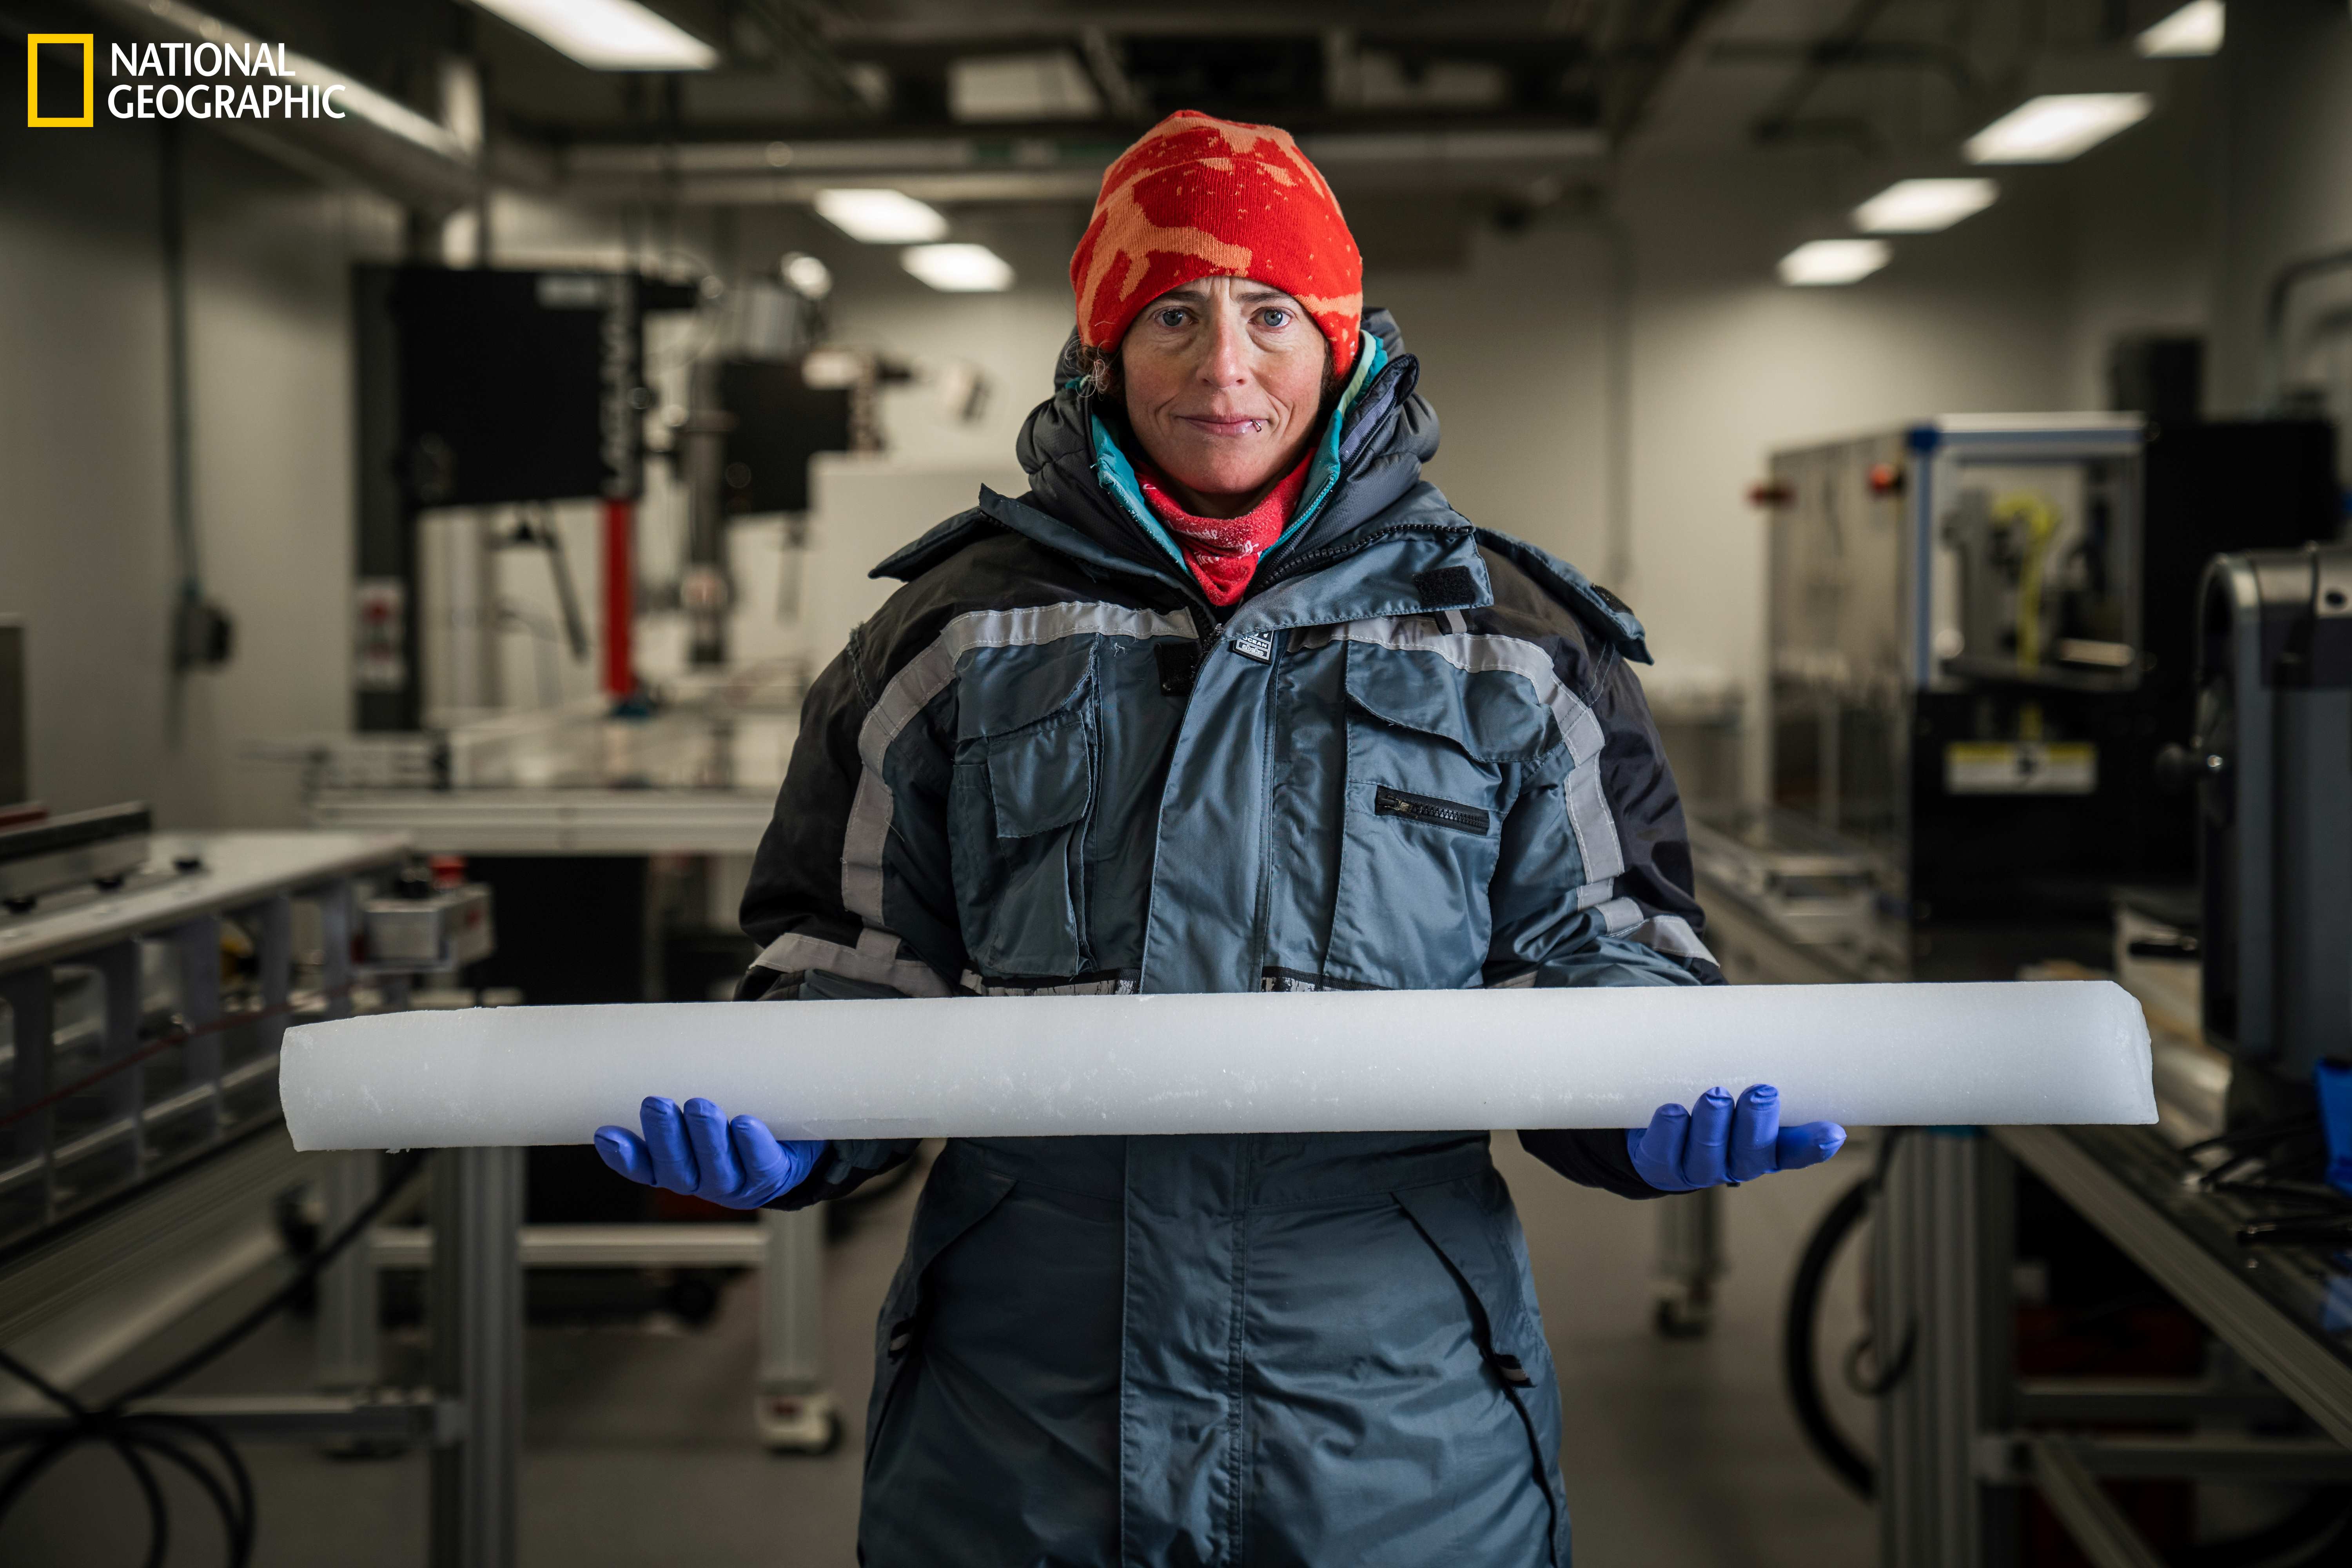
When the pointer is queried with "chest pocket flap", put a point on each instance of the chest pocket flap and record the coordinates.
(1494, 715)
(1035, 734)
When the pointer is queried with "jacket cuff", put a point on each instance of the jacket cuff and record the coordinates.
(846, 1165)
(1595, 1157)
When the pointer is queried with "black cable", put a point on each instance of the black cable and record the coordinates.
(2322, 1520)
(159, 1516)
(403, 1173)
(136, 1434)
(1800, 1367)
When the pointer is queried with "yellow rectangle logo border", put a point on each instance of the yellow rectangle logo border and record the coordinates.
(33, 118)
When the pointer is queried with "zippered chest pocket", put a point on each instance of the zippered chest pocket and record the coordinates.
(1387, 802)
(1431, 755)
(1019, 805)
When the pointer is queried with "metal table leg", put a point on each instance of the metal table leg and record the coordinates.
(199, 945)
(336, 917)
(1943, 1331)
(477, 1325)
(126, 1092)
(348, 1351)
(1690, 1260)
(350, 1354)
(795, 1411)
(32, 1024)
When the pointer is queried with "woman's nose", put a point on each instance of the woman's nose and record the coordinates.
(1225, 361)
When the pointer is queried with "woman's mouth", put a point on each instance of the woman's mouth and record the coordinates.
(1209, 424)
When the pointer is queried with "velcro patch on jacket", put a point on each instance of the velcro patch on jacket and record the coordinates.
(1446, 587)
(1613, 601)
(1179, 663)
(1387, 802)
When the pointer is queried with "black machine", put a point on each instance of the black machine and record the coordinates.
(2272, 758)
(515, 386)
(476, 387)
(779, 421)
(482, 386)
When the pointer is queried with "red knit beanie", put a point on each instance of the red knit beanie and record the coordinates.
(1199, 197)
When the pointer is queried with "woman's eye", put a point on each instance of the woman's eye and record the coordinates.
(1172, 318)
(1274, 316)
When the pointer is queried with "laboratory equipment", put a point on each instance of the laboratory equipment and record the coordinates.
(437, 929)
(1978, 646)
(2272, 761)
(43, 854)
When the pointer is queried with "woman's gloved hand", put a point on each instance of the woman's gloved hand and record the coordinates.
(1714, 1142)
(738, 1163)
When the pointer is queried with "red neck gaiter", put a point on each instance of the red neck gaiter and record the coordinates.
(1222, 552)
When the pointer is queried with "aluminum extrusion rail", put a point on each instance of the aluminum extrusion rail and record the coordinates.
(2316, 1377)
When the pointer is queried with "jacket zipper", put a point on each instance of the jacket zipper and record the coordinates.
(1387, 802)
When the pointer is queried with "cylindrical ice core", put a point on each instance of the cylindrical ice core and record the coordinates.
(1334, 1061)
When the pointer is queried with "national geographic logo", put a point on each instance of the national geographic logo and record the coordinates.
(76, 87)
(239, 79)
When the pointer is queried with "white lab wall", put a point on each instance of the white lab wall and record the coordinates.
(1513, 358)
(2136, 232)
(271, 395)
(798, 605)
(86, 549)
(2285, 115)
(84, 544)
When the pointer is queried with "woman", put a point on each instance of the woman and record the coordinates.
(1231, 699)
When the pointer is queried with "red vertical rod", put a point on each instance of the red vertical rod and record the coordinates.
(619, 597)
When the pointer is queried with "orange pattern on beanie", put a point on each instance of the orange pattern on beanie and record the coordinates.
(1198, 197)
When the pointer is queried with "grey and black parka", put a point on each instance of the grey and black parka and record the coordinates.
(1414, 755)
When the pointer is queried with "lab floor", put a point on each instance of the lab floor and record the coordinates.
(639, 1447)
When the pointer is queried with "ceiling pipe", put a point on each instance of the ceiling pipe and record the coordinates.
(380, 142)
(956, 169)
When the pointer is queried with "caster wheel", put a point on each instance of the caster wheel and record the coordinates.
(1683, 1317)
(797, 1424)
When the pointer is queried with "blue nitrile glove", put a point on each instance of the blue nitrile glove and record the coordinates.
(1714, 1142)
(2334, 1080)
(739, 1165)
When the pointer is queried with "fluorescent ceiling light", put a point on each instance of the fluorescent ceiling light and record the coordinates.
(2053, 128)
(959, 268)
(608, 35)
(1049, 86)
(2192, 31)
(1923, 206)
(880, 217)
(805, 274)
(1827, 261)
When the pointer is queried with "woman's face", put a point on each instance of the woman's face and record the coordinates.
(1224, 379)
